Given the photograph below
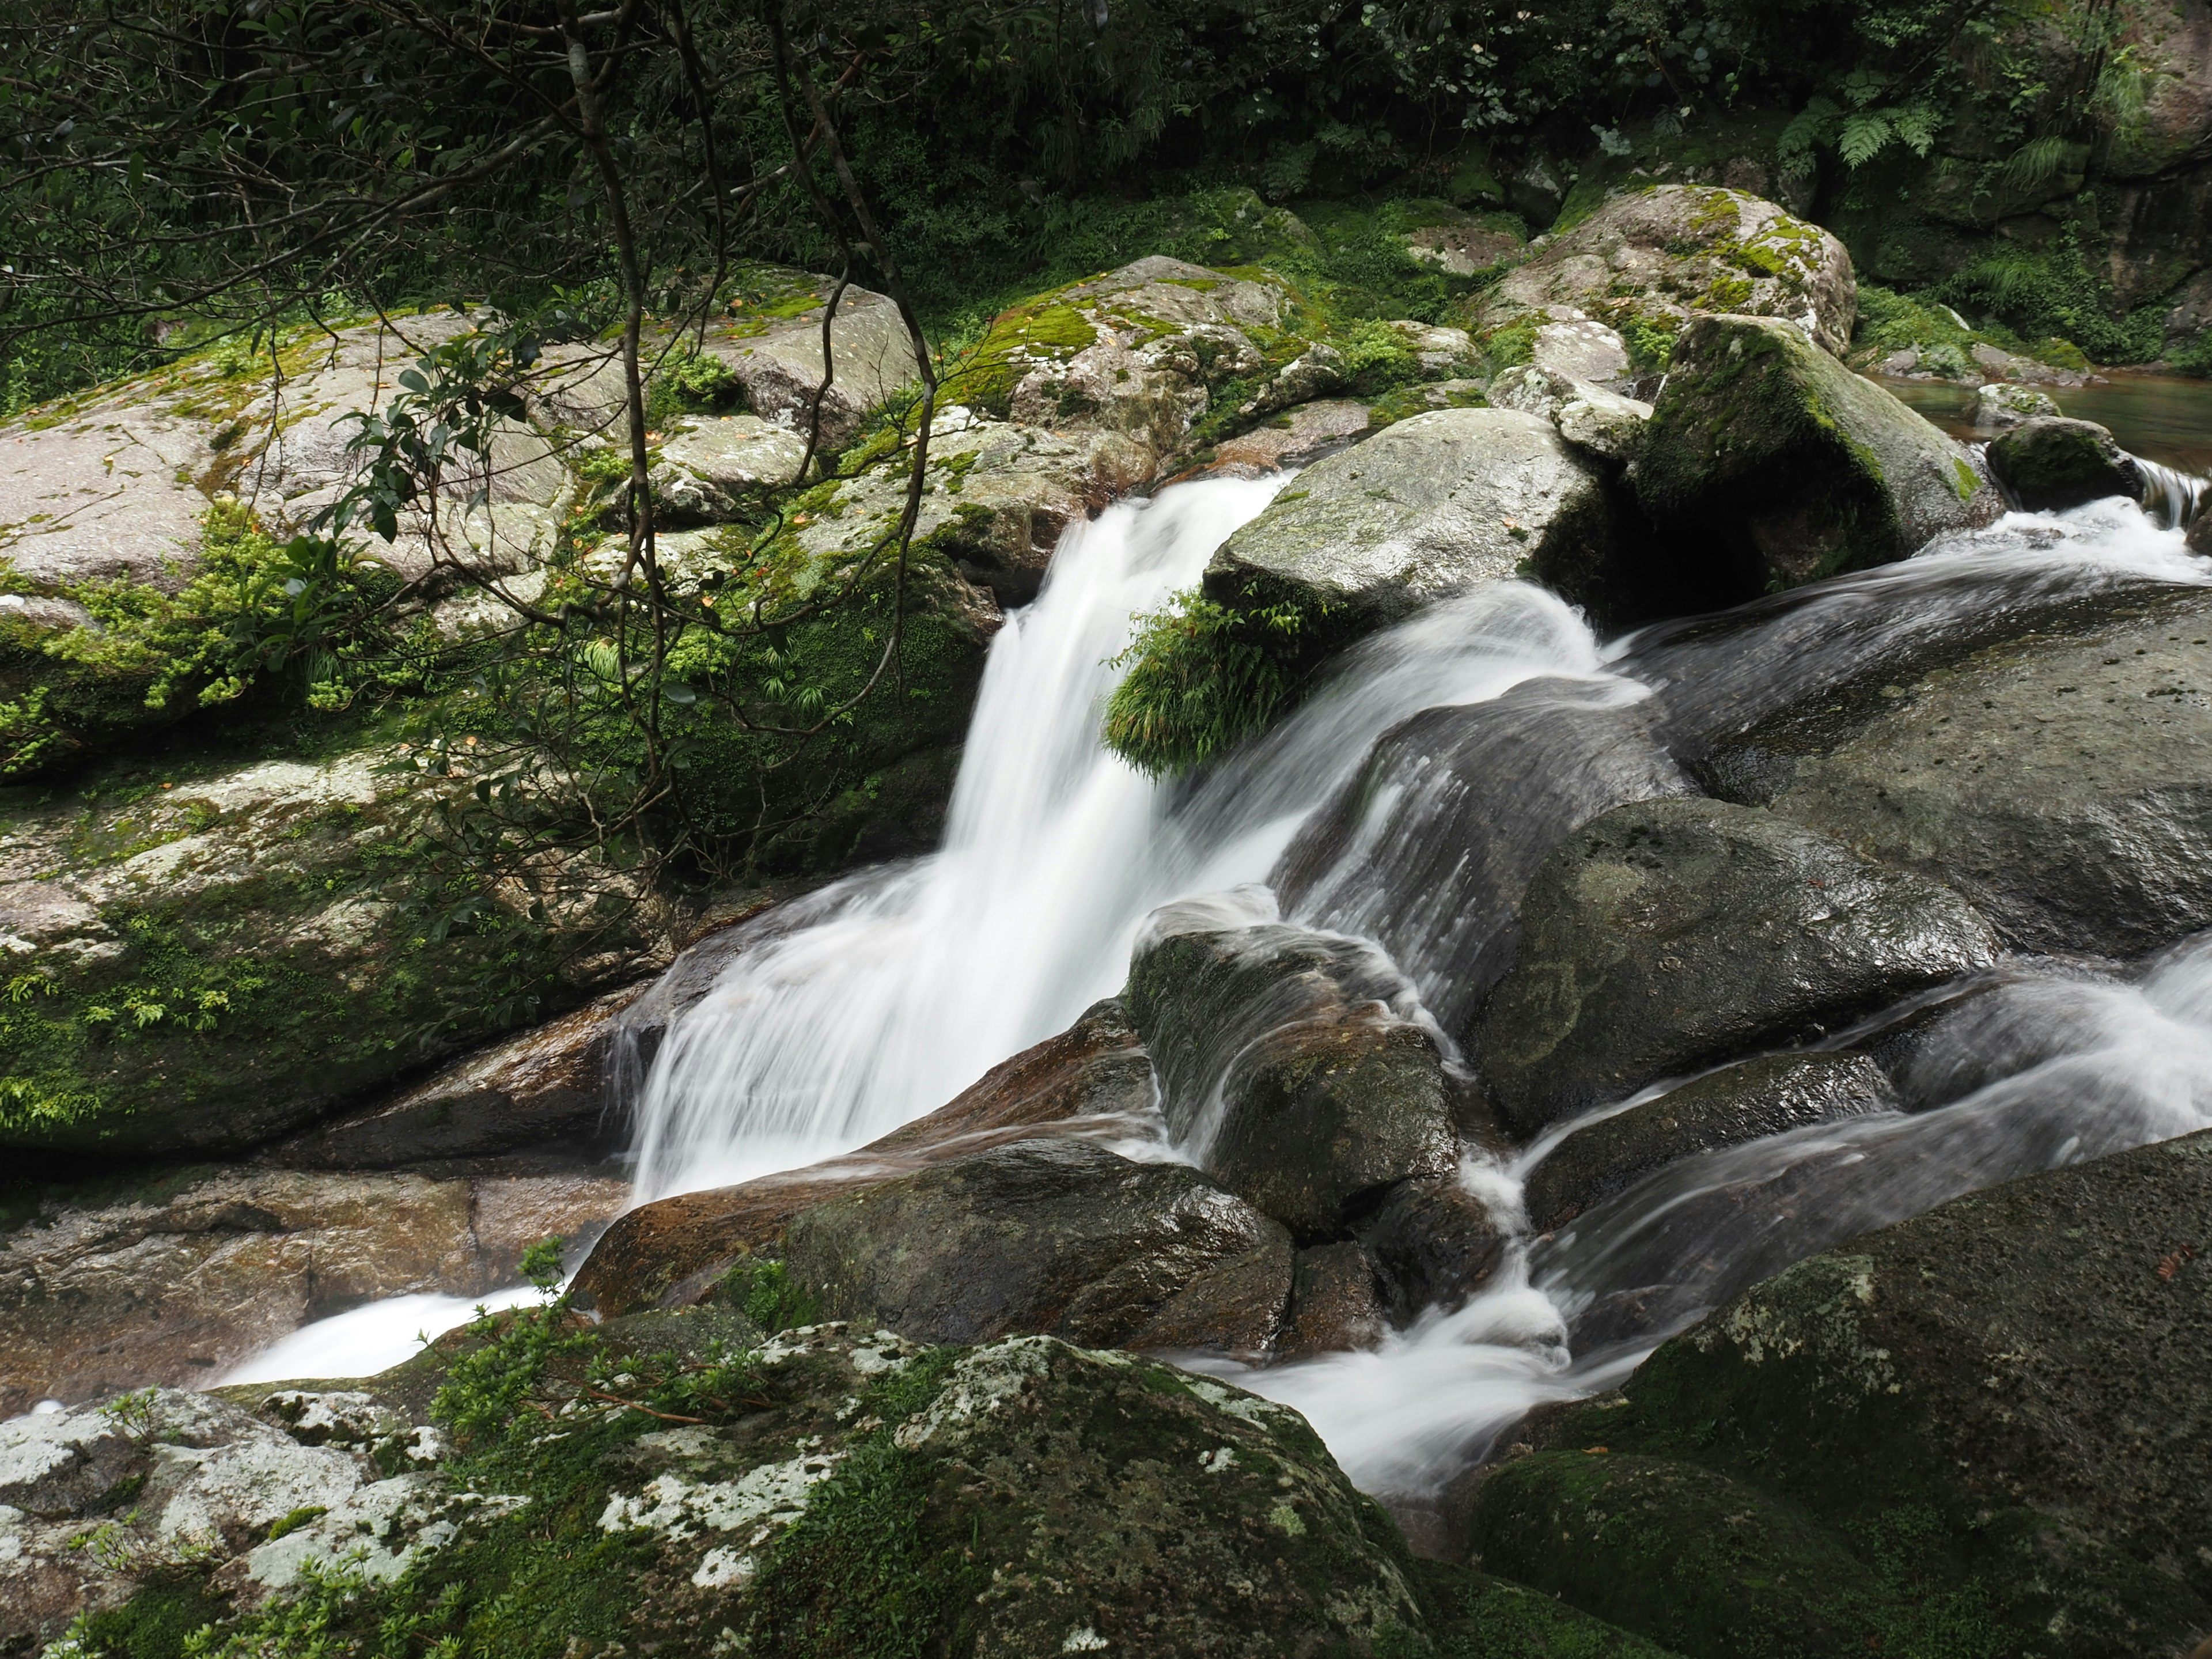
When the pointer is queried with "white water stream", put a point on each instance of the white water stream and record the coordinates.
(879, 999)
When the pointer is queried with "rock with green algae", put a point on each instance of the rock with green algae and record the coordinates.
(821, 1492)
(208, 963)
(1983, 1432)
(1649, 260)
(2051, 464)
(1769, 464)
(1425, 508)
(1668, 935)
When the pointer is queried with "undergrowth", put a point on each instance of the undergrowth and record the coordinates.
(1202, 676)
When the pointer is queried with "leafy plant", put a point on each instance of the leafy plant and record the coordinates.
(1201, 678)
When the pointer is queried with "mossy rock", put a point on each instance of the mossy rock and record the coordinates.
(2051, 464)
(1982, 1431)
(1772, 464)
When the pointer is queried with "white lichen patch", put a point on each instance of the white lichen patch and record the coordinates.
(978, 1386)
(775, 1494)
(377, 1532)
(1246, 1408)
(1222, 1457)
(1083, 1639)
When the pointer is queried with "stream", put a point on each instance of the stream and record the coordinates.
(876, 999)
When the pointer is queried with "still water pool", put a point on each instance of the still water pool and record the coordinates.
(2161, 418)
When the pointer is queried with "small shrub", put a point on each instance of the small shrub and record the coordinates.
(1202, 676)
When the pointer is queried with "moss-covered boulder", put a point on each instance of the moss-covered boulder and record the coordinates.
(2000, 405)
(1290, 1066)
(2058, 781)
(1061, 1236)
(1739, 1102)
(1670, 935)
(1771, 464)
(204, 955)
(1983, 1432)
(2050, 464)
(1647, 261)
(1426, 508)
(687, 1483)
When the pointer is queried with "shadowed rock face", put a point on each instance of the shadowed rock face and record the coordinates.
(1764, 447)
(1060, 1236)
(1743, 1102)
(1285, 1066)
(1427, 507)
(2061, 785)
(2051, 464)
(1668, 935)
(2008, 1389)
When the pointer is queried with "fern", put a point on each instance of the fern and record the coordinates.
(1865, 133)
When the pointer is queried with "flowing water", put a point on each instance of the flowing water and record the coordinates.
(1406, 802)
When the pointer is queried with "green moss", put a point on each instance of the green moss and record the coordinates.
(169, 1608)
(1202, 676)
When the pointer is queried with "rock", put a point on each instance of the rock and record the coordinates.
(2059, 783)
(2052, 464)
(1950, 1381)
(1028, 1497)
(1434, 1242)
(1057, 1237)
(2199, 538)
(1588, 416)
(1999, 404)
(173, 1279)
(1429, 847)
(1655, 259)
(1423, 508)
(1297, 438)
(1093, 1081)
(710, 468)
(1288, 1065)
(1670, 934)
(1336, 1303)
(1439, 350)
(1776, 466)
(1744, 1102)
(1580, 347)
(224, 960)
(1316, 372)
(546, 1087)
(1462, 244)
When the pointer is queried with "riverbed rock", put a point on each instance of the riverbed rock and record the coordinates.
(1588, 416)
(1772, 464)
(2051, 464)
(1289, 1065)
(1435, 1243)
(210, 955)
(1092, 1081)
(1926, 1423)
(171, 1279)
(2058, 783)
(1336, 1302)
(711, 467)
(1060, 1236)
(1653, 258)
(1429, 848)
(1740, 1102)
(1424, 508)
(2199, 538)
(1668, 935)
(2001, 404)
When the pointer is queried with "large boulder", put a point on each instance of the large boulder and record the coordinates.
(172, 1278)
(1429, 847)
(207, 956)
(2060, 783)
(1771, 463)
(1290, 1066)
(1649, 260)
(1092, 1081)
(1061, 1236)
(1424, 508)
(1739, 1102)
(823, 1491)
(1672, 935)
(2050, 464)
(1990, 1421)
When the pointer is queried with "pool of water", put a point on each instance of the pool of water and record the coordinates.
(2161, 418)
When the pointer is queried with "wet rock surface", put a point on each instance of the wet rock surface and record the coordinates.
(1796, 466)
(1989, 1418)
(1424, 508)
(1434, 1242)
(2058, 784)
(1060, 1236)
(1284, 1067)
(2051, 464)
(1740, 1102)
(1671, 934)
(1658, 256)
(173, 1280)
(1336, 1302)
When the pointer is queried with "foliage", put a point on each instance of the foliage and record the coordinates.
(764, 1290)
(2052, 291)
(1202, 676)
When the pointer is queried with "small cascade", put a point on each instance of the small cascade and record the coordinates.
(2173, 499)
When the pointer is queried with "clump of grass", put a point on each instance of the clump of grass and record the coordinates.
(1202, 676)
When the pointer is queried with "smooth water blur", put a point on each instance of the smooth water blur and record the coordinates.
(371, 1338)
(863, 1007)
